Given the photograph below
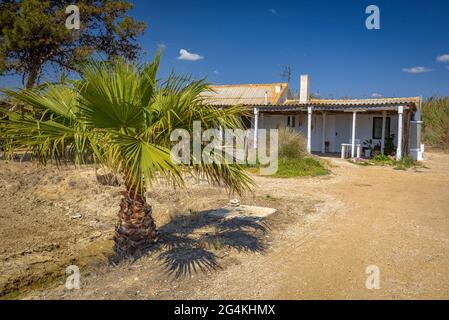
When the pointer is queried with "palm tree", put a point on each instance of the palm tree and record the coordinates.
(120, 116)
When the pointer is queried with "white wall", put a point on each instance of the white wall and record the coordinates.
(338, 127)
(280, 121)
(364, 126)
(272, 121)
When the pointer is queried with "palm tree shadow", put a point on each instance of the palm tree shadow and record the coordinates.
(192, 244)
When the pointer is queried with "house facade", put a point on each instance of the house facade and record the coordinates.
(346, 126)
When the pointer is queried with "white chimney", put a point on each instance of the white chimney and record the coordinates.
(304, 88)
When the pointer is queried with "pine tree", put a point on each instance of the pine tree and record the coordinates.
(34, 35)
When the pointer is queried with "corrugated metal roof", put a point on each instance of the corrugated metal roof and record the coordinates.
(253, 95)
(247, 94)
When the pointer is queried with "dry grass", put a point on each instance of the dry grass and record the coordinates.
(435, 113)
(292, 144)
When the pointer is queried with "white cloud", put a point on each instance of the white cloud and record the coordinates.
(376, 95)
(443, 58)
(216, 72)
(186, 55)
(273, 11)
(416, 70)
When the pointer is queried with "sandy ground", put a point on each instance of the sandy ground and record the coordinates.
(326, 232)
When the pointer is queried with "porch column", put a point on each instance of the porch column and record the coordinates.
(221, 130)
(309, 129)
(384, 122)
(354, 117)
(256, 126)
(323, 134)
(400, 123)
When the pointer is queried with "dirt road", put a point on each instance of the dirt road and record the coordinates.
(396, 220)
(326, 233)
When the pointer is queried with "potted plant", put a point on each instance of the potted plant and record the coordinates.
(367, 148)
(376, 149)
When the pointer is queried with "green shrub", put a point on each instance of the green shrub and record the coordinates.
(293, 158)
(389, 148)
(405, 163)
(435, 115)
(382, 159)
(408, 161)
(305, 166)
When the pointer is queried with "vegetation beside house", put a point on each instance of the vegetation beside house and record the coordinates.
(435, 115)
(294, 160)
(383, 160)
(302, 167)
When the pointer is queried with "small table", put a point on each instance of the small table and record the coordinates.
(345, 149)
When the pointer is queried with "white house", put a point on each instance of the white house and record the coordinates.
(330, 126)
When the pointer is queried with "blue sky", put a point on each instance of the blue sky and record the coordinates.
(249, 41)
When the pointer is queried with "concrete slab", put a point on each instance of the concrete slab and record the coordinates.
(243, 212)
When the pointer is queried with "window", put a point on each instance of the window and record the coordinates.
(377, 127)
(291, 121)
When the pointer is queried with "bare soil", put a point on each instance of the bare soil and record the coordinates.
(326, 231)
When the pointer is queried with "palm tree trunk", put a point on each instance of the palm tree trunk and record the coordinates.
(136, 229)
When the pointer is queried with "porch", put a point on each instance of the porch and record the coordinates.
(357, 125)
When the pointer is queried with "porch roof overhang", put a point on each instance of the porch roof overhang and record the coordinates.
(364, 108)
(386, 104)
